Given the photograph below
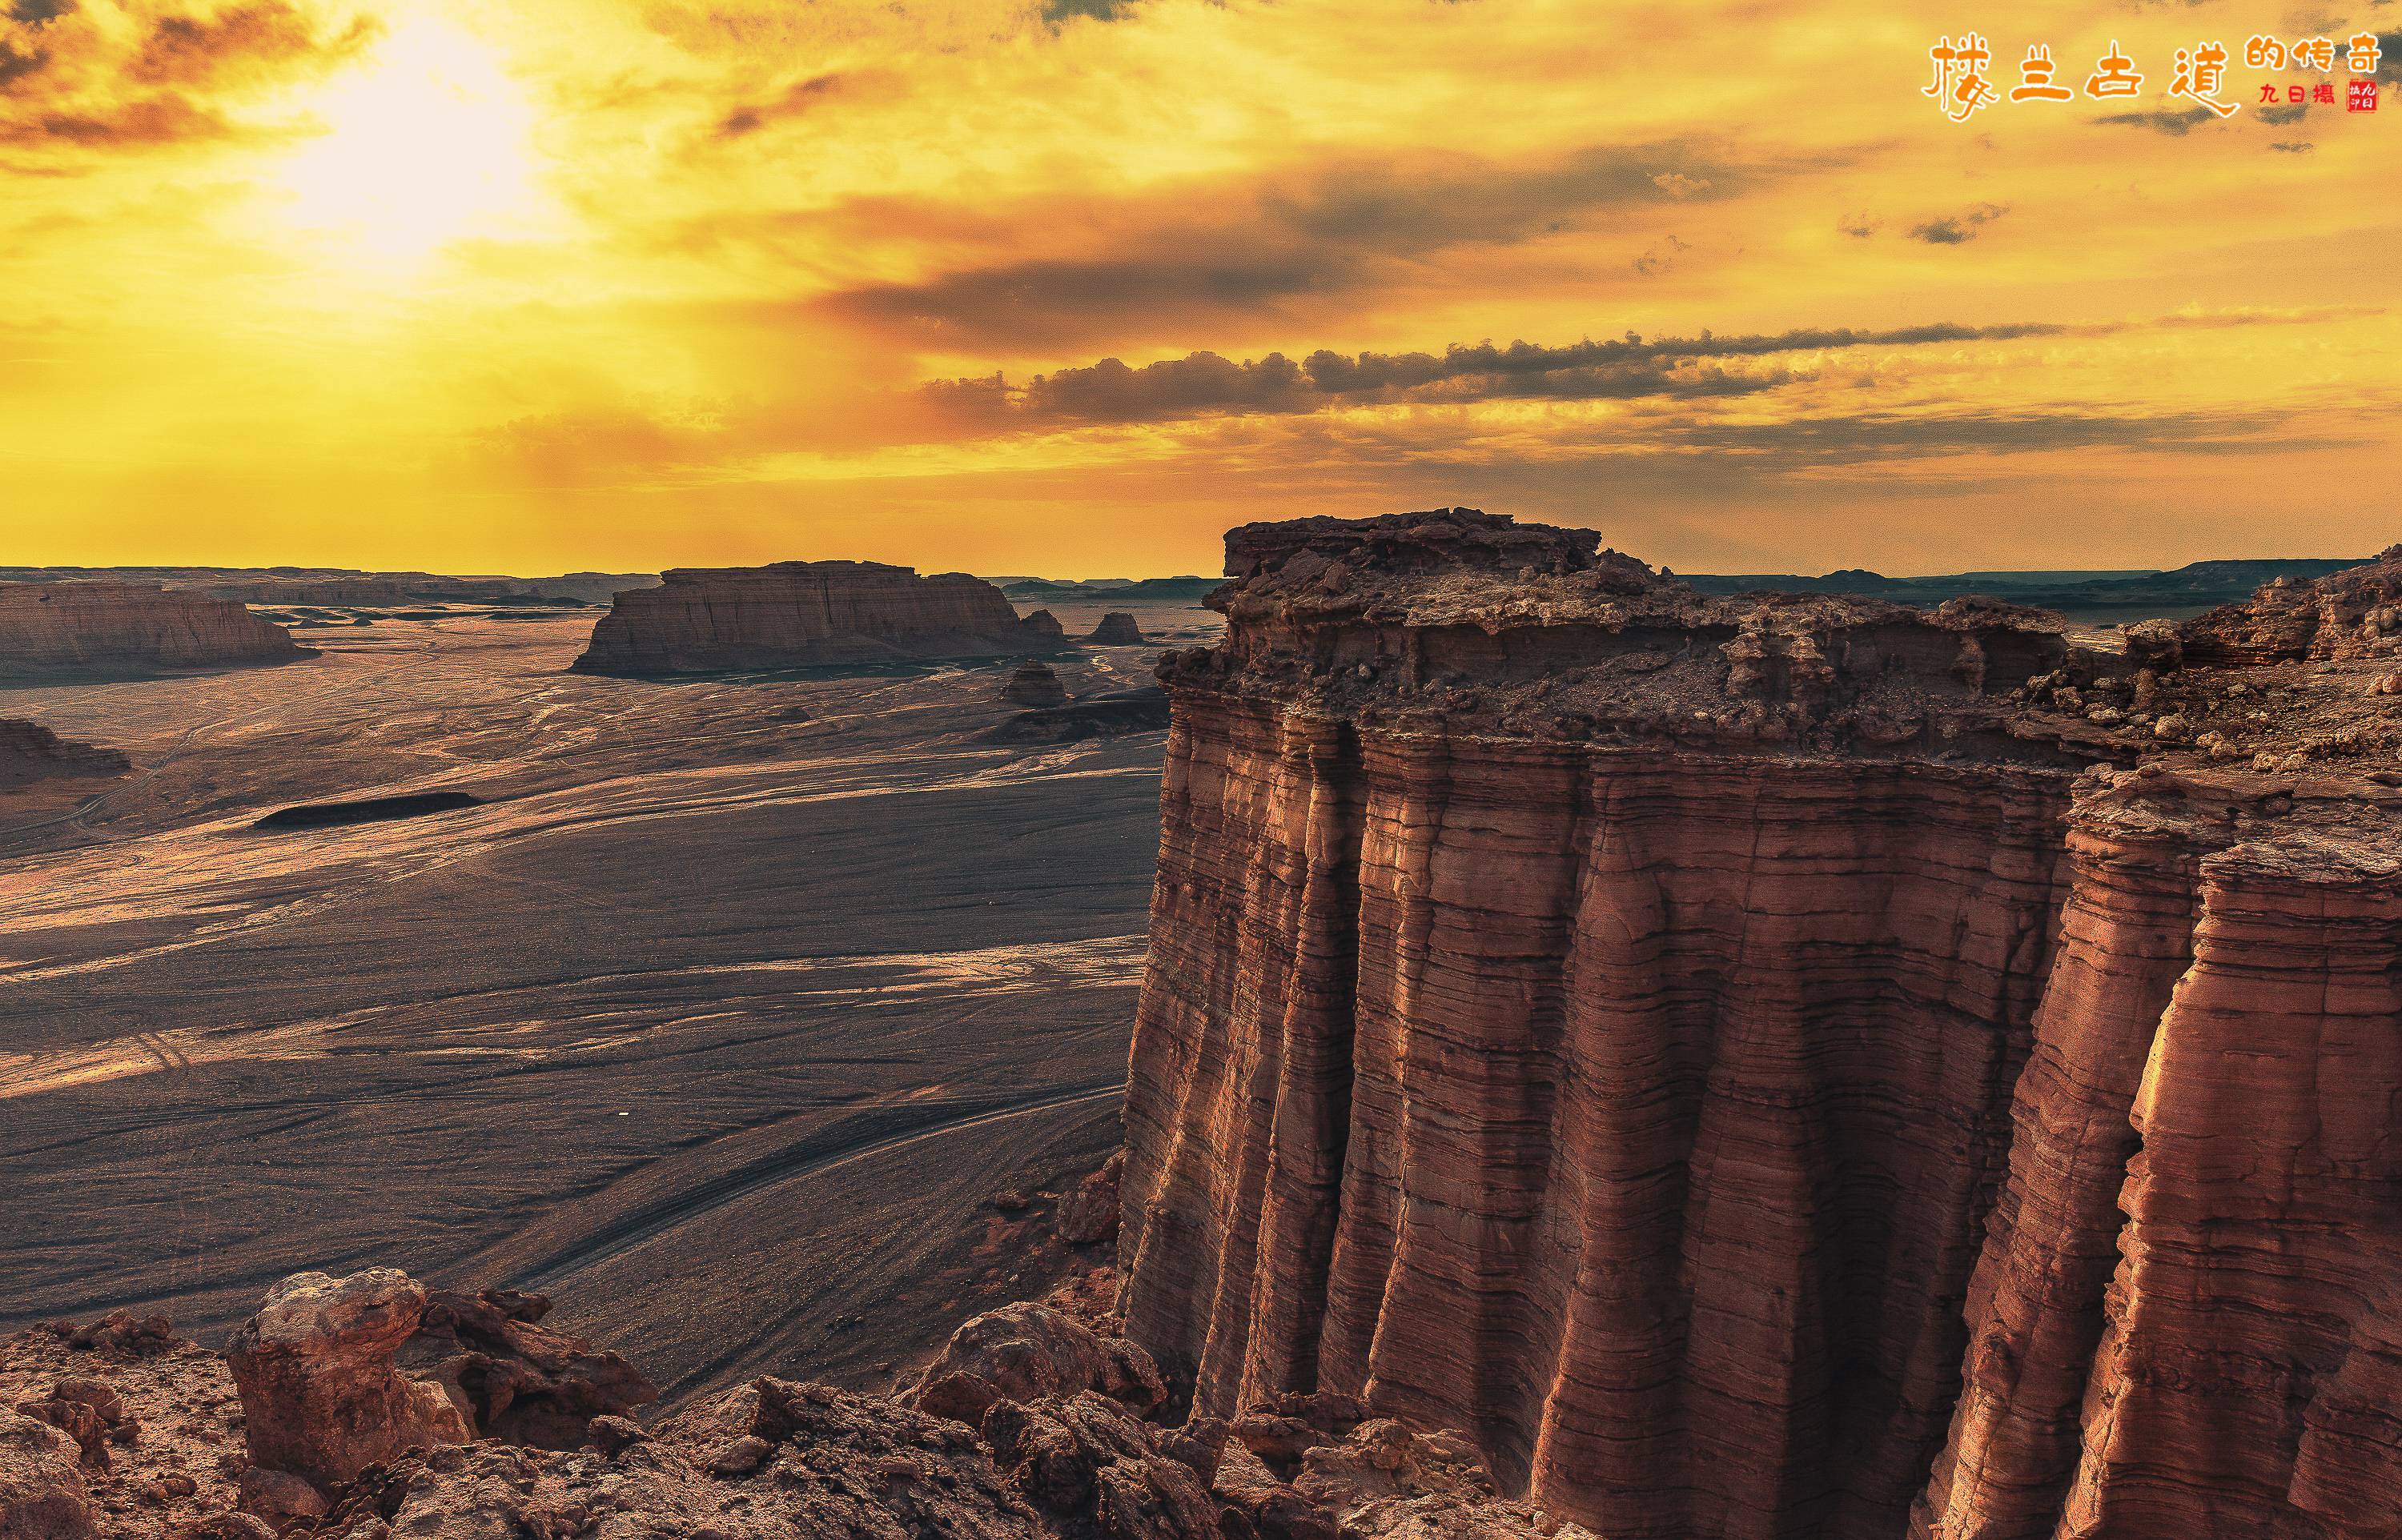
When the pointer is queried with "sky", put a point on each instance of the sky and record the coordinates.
(1071, 286)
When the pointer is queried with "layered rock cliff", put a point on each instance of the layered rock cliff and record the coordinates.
(106, 629)
(802, 613)
(1777, 1066)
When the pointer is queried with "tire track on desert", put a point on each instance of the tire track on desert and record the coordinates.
(811, 1156)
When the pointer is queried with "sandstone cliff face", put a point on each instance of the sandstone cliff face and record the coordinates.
(1772, 1067)
(105, 629)
(800, 613)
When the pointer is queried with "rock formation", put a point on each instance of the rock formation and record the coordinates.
(1117, 629)
(801, 614)
(320, 1396)
(519, 1380)
(31, 752)
(1034, 684)
(1782, 1066)
(115, 629)
(42, 1494)
(1111, 711)
(1025, 1351)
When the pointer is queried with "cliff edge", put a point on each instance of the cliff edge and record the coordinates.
(1783, 1066)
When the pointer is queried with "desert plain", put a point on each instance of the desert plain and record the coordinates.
(723, 1015)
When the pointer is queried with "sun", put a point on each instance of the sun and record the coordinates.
(428, 140)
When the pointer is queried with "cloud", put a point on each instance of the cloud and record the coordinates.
(1661, 256)
(1337, 227)
(1953, 229)
(2289, 112)
(16, 61)
(1059, 12)
(73, 81)
(2293, 147)
(795, 101)
(1857, 226)
(1205, 383)
(2161, 121)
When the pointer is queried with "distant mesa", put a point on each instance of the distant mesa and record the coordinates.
(344, 587)
(331, 815)
(116, 630)
(1117, 629)
(1035, 684)
(31, 752)
(1169, 590)
(2091, 596)
(1107, 715)
(797, 615)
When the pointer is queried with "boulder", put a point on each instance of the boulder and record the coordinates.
(1117, 629)
(1026, 1352)
(320, 1398)
(1088, 1214)
(519, 1382)
(42, 1494)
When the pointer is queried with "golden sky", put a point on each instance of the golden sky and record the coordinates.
(1068, 286)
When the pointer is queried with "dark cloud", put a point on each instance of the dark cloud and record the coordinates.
(1953, 229)
(17, 62)
(2161, 121)
(91, 86)
(1661, 256)
(2293, 147)
(1859, 226)
(1059, 12)
(795, 99)
(166, 119)
(1870, 436)
(1207, 383)
(1344, 227)
(2285, 113)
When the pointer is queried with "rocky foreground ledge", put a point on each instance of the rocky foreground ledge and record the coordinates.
(1775, 1065)
(370, 1406)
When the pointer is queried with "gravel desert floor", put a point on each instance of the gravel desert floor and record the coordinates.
(722, 1015)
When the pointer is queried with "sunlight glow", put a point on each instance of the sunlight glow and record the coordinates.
(427, 142)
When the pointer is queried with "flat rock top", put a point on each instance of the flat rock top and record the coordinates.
(1376, 622)
(1463, 567)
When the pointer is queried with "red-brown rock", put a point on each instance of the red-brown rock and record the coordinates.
(1089, 1212)
(802, 613)
(111, 630)
(1777, 1066)
(1026, 1351)
(320, 1396)
(42, 1494)
(1117, 628)
(520, 1381)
